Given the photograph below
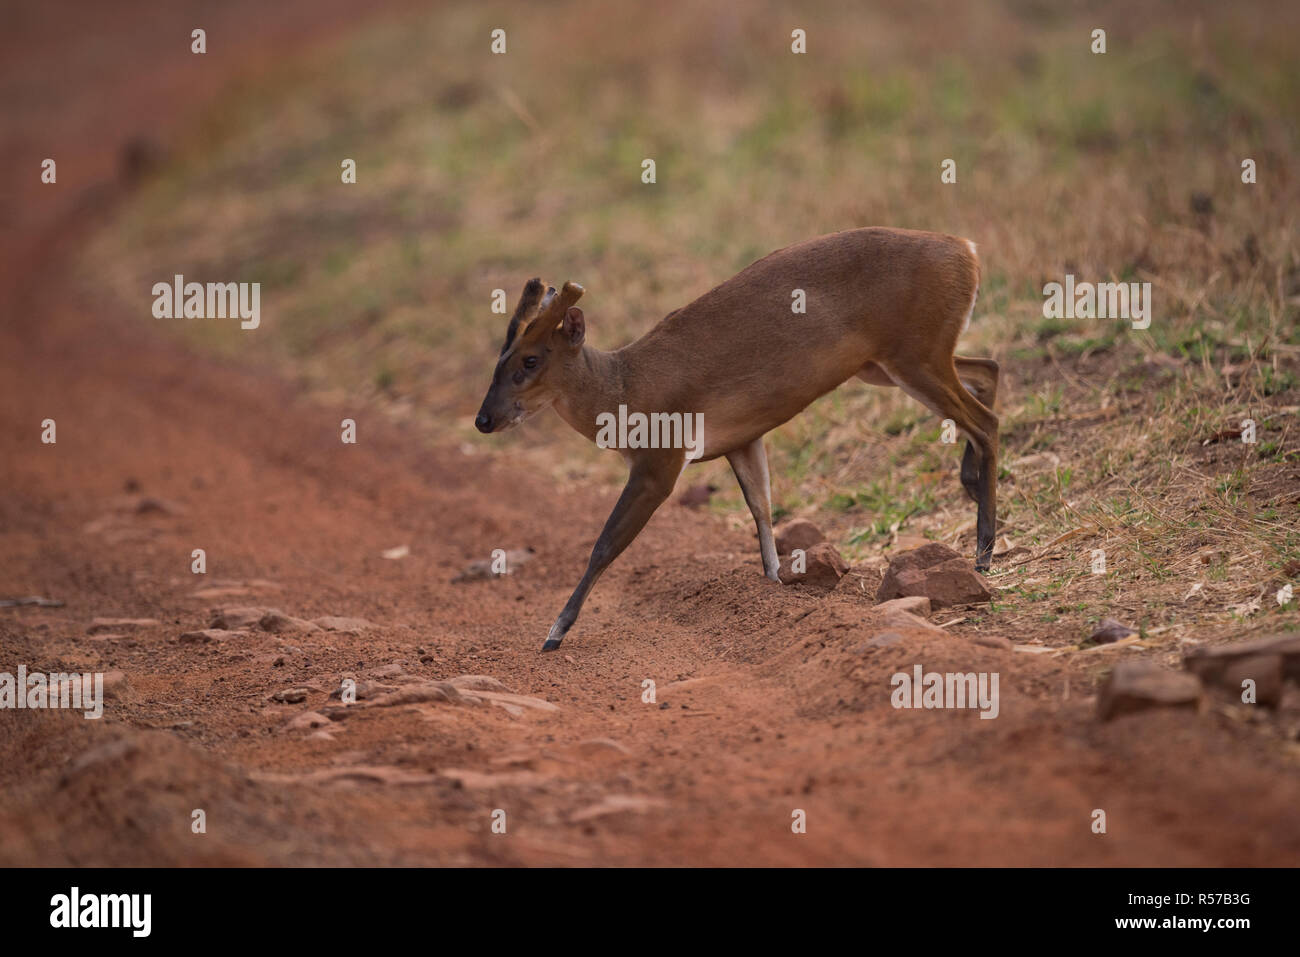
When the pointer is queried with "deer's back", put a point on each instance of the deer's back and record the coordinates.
(867, 292)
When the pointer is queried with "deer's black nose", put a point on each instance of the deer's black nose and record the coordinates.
(483, 422)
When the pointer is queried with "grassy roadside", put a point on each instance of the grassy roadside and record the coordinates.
(476, 171)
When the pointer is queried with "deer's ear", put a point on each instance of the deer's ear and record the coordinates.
(574, 327)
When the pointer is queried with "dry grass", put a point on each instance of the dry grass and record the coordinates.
(477, 171)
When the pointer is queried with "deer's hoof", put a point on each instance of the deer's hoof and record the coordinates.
(551, 644)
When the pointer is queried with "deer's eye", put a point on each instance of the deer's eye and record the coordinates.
(530, 362)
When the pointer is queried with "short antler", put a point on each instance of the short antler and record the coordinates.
(553, 307)
(531, 296)
(570, 294)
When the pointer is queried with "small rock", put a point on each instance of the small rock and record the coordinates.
(823, 567)
(914, 604)
(388, 671)
(1211, 663)
(206, 635)
(278, 622)
(905, 619)
(1109, 630)
(697, 495)
(290, 695)
(1137, 686)
(234, 618)
(365, 690)
(1265, 670)
(483, 569)
(427, 691)
(306, 721)
(938, 573)
(479, 683)
(101, 625)
(148, 503)
(796, 533)
(336, 623)
(393, 554)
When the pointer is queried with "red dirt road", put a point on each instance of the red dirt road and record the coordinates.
(769, 699)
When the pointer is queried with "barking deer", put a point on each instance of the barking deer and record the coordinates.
(884, 305)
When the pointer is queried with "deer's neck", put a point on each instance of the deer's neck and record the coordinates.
(595, 385)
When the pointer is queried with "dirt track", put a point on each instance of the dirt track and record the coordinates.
(768, 697)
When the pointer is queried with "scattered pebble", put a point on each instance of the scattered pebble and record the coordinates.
(1110, 630)
(307, 720)
(290, 695)
(338, 623)
(99, 625)
(482, 569)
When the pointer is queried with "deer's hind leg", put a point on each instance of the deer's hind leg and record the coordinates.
(980, 377)
(936, 385)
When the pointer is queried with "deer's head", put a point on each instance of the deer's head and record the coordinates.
(544, 335)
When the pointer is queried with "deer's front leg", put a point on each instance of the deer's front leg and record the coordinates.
(750, 465)
(651, 482)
